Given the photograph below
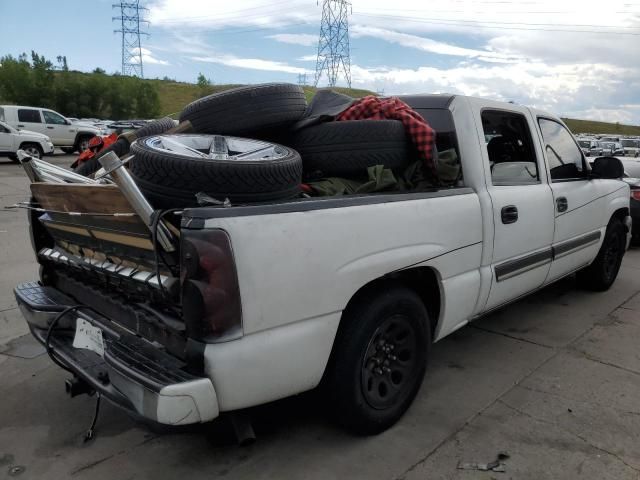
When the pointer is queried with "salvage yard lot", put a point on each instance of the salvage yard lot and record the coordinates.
(553, 380)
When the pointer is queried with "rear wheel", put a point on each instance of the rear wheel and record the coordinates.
(68, 150)
(379, 359)
(601, 274)
(83, 143)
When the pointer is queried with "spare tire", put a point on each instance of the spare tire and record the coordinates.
(348, 148)
(171, 169)
(156, 127)
(246, 111)
(121, 146)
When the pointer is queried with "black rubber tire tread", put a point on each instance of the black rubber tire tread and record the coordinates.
(246, 110)
(120, 147)
(156, 127)
(169, 175)
(594, 276)
(350, 147)
(341, 382)
(68, 150)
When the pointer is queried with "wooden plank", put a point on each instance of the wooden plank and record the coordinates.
(77, 197)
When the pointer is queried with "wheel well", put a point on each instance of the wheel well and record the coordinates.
(620, 214)
(422, 280)
(35, 144)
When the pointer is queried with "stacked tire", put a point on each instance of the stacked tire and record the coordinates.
(172, 170)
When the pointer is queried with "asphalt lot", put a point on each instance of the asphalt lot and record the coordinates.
(553, 380)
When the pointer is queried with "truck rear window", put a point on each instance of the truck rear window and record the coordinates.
(441, 120)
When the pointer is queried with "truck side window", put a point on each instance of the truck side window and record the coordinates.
(512, 158)
(30, 116)
(564, 156)
(53, 118)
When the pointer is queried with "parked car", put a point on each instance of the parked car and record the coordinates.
(591, 148)
(11, 140)
(610, 138)
(631, 147)
(266, 300)
(608, 148)
(64, 134)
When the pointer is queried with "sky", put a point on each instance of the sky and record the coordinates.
(578, 59)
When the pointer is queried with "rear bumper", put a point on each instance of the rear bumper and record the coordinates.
(133, 374)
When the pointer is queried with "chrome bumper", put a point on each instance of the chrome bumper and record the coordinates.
(133, 374)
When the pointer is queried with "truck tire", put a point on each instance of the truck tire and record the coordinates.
(82, 143)
(171, 179)
(156, 127)
(247, 111)
(601, 274)
(68, 150)
(349, 147)
(379, 359)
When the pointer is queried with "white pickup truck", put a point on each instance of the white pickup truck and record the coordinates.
(270, 300)
(33, 143)
(64, 134)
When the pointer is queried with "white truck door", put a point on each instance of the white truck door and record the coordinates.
(58, 129)
(522, 204)
(30, 119)
(580, 206)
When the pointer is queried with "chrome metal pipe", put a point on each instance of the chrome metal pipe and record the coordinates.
(27, 164)
(62, 173)
(113, 166)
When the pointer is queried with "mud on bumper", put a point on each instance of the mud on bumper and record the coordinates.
(132, 374)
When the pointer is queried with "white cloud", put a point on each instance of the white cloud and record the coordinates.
(296, 38)
(251, 63)
(427, 44)
(148, 57)
(195, 14)
(555, 54)
(563, 89)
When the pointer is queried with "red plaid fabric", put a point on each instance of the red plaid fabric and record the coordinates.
(422, 135)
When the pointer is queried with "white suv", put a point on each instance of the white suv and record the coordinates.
(68, 136)
(33, 143)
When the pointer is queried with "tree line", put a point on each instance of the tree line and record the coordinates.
(38, 82)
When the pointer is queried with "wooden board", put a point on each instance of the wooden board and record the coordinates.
(83, 198)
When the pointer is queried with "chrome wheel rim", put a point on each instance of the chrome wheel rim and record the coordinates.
(32, 152)
(390, 363)
(216, 147)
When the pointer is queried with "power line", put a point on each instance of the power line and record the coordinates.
(495, 25)
(333, 45)
(130, 29)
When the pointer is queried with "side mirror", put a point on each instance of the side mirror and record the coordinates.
(607, 167)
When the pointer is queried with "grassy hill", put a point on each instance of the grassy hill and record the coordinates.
(588, 126)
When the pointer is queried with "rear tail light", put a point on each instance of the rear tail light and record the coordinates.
(635, 194)
(210, 293)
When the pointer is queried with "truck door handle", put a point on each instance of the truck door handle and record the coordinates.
(562, 204)
(509, 214)
(50, 128)
(21, 126)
